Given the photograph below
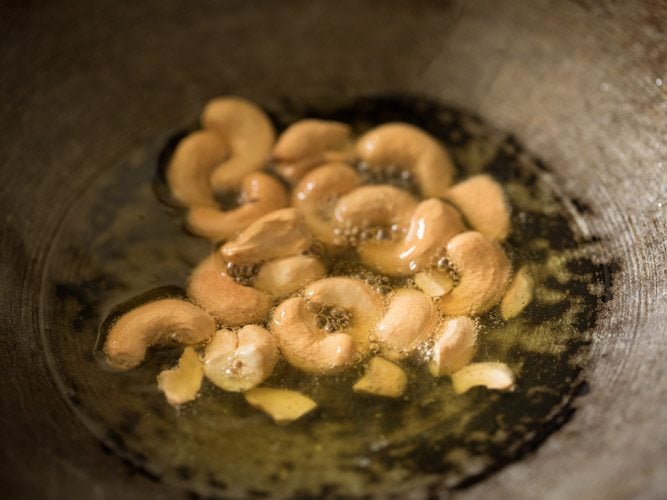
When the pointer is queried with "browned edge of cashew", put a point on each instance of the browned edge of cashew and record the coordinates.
(455, 344)
(260, 194)
(159, 322)
(237, 361)
(248, 131)
(408, 321)
(189, 170)
(382, 378)
(229, 302)
(484, 205)
(181, 384)
(483, 270)
(284, 276)
(411, 148)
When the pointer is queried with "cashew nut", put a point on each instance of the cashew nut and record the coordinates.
(189, 171)
(382, 378)
(518, 295)
(238, 361)
(284, 276)
(156, 323)
(409, 321)
(280, 233)
(492, 375)
(283, 405)
(316, 194)
(454, 346)
(308, 143)
(432, 224)
(483, 204)
(379, 205)
(260, 194)
(434, 283)
(411, 148)
(250, 135)
(226, 300)
(181, 384)
(483, 271)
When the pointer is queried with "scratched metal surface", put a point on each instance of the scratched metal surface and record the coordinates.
(87, 86)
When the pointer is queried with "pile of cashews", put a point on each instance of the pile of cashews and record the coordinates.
(265, 292)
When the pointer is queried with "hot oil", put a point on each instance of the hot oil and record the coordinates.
(353, 444)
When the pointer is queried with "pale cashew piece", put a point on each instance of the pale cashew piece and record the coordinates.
(483, 270)
(434, 283)
(260, 194)
(160, 322)
(278, 234)
(382, 378)
(189, 170)
(519, 294)
(239, 361)
(483, 204)
(226, 300)
(409, 320)
(308, 143)
(354, 296)
(317, 193)
(181, 384)
(379, 205)
(282, 405)
(284, 276)
(490, 374)
(409, 147)
(432, 224)
(250, 135)
(454, 347)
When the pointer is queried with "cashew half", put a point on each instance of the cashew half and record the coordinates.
(519, 294)
(229, 302)
(432, 224)
(284, 276)
(260, 194)
(317, 193)
(379, 205)
(483, 204)
(409, 321)
(156, 323)
(382, 378)
(238, 361)
(308, 143)
(250, 135)
(434, 283)
(181, 384)
(283, 405)
(483, 270)
(411, 148)
(280, 233)
(491, 375)
(189, 171)
(454, 347)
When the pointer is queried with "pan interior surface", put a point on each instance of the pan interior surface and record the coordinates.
(118, 243)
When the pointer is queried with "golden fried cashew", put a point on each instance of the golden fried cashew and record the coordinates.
(156, 323)
(490, 374)
(283, 405)
(280, 233)
(483, 270)
(181, 384)
(432, 224)
(434, 283)
(229, 302)
(250, 135)
(519, 294)
(317, 193)
(409, 147)
(454, 347)
(382, 378)
(284, 276)
(408, 321)
(308, 143)
(238, 361)
(354, 296)
(307, 346)
(483, 204)
(189, 171)
(378, 205)
(260, 194)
